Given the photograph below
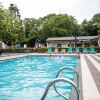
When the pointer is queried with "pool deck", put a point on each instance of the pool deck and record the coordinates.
(90, 78)
(90, 73)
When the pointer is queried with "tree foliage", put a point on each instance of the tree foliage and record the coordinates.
(15, 30)
(10, 25)
(91, 27)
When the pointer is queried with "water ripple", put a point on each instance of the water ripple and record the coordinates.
(26, 78)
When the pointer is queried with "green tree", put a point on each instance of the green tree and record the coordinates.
(14, 28)
(96, 23)
(2, 18)
(84, 28)
(91, 27)
(59, 26)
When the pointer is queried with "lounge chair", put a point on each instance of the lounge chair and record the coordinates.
(77, 50)
(92, 50)
(56, 51)
(62, 51)
(85, 50)
(49, 50)
(69, 50)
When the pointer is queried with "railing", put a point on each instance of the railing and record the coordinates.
(59, 74)
(65, 80)
(77, 76)
(59, 80)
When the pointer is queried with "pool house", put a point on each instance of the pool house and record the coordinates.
(80, 41)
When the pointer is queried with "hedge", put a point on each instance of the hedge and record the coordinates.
(22, 50)
(40, 50)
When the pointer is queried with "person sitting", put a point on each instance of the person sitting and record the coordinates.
(62, 51)
(56, 51)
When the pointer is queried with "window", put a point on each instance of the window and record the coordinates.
(58, 45)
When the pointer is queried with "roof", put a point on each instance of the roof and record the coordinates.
(73, 38)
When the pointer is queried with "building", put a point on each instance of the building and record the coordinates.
(65, 42)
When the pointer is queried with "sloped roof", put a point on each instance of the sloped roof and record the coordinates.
(87, 37)
(73, 38)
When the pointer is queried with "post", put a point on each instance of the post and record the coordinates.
(75, 42)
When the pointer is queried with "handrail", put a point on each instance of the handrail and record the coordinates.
(58, 75)
(58, 80)
(71, 69)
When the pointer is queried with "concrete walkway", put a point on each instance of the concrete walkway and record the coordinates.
(90, 90)
(97, 57)
(95, 73)
(11, 56)
(94, 62)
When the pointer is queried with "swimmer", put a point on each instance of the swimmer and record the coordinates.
(49, 55)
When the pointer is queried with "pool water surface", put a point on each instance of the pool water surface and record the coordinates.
(26, 78)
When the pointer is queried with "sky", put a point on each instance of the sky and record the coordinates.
(80, 9)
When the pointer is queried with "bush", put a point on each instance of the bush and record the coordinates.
(22, 50)
(97, 49)
(41, 50)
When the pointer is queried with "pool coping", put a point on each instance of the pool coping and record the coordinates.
(72, 95)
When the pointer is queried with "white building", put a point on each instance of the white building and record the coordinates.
(65, 42)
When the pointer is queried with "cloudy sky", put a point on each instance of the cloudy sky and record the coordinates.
(80, 9)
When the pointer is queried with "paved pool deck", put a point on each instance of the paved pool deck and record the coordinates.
(90, 73)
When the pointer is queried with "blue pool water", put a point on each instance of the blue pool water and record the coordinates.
(26, 78)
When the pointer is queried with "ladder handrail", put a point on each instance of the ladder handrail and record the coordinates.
(59, 80)
(58, 75)
(71, 69)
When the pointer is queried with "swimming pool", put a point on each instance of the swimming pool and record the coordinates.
(26, 78)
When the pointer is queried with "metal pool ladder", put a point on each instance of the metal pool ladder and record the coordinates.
(76, 87)
(73, 69)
